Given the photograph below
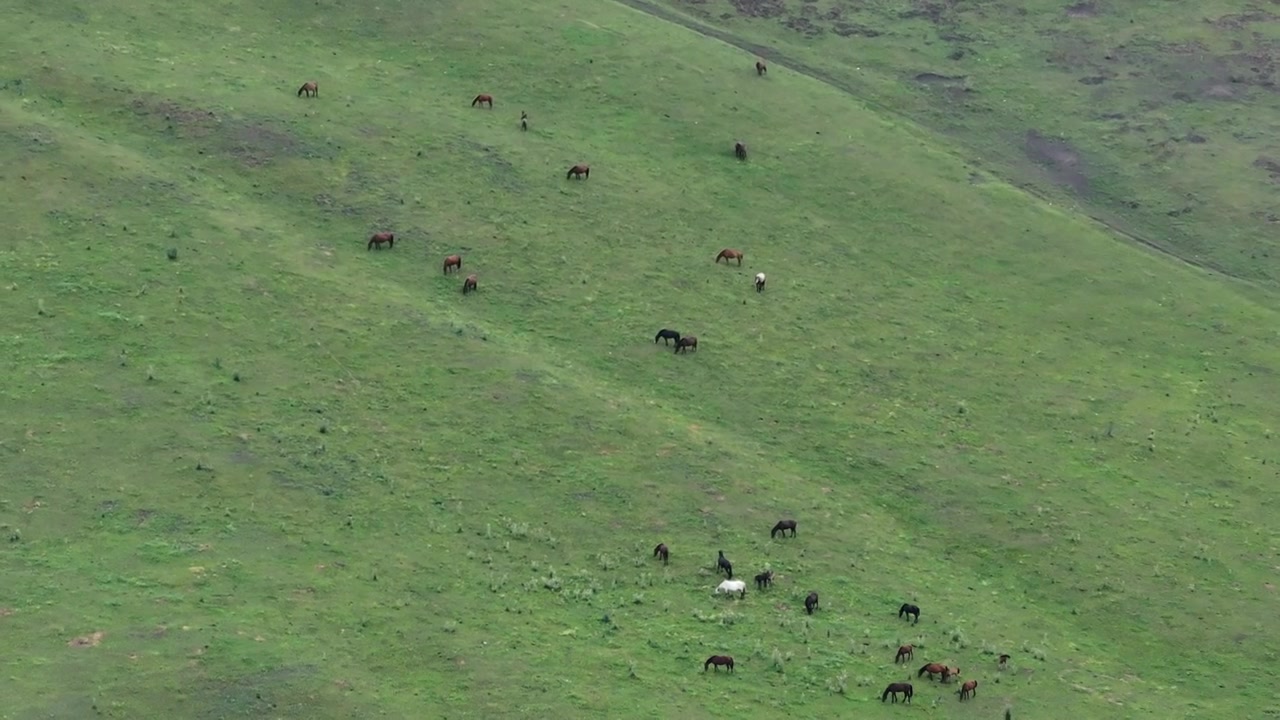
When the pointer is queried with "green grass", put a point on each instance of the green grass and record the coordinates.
(288, 477)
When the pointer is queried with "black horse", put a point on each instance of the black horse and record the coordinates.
(722, 563)
(662, 552)
(811, 602)
(764, 579)
(909, 609)
(783, 526)
(895, 688)
(664, 335)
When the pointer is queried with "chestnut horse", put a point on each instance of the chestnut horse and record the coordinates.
(310, 89)
(783, 526)
(453, 261)
(579, 171)
(764, 579)
(469, 284)
(811, 602)
(761, 68)
(895, 688)
(740, 150)
(377, 239)
(968, 690)
(909, 609)
(662, 552)
(666, 335)
(481, 99)
(905, 653)
(935, 669)
(728, 254)
(717, 661)
(686, 342)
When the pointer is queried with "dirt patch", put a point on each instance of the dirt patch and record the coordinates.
(253, 143)
(1061, 160)
(1085, 9)
(929, 78)
(1270, 166)
(1238, 21)
(1092, 80)
(6, 612)
(90, 640)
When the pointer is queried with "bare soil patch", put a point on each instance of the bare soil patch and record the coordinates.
(1085, 9)
(253, 143)
(1061, 160)
(90, 640)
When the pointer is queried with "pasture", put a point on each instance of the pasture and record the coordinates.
(254, 469)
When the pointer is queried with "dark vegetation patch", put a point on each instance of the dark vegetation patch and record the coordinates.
(1271, 167)
(1085, 9)
(1059, 158)
(252, 143)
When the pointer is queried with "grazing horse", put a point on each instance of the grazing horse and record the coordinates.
(662, 552)
(740, 150)
(895, 688)
(453, 261)
(722, 563)
(759, 282)
(728, 254)
(951, 673)
(764, 579)
(667, 335)
(934, 669)
(579, 171)
(783, 526)
(686, 342)
(481, 99)
(968, 690)
(733, 586)
(309, 89)
(905, 653)
(909, 609)
(811, 602)
(761, 68)
(716, 661)
(377, 239)
(524, 120)
(1004, 661)
(469, 284)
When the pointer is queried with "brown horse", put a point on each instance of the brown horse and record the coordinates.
(310, 89)
(950, 674)
(895, 688)
(761, 68)
(764, 579)
(481, 99)
(968, 690)
(728, 254)
(905, 653)
(469, 284)
(579, 171)
(934, 669)
(662, 552)
(524, 120)
(686, 342)
(453, 261)
(740, 150)
(717, 661)
(1004, 661)
(811, 602)
(782, 527)
(377, 239)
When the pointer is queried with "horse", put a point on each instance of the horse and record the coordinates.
(895, 688)
(783, 526)
(759, 282)
(740, 150)
(968, 690)
(469, 284)
(764, 579)
(686, 342)
(952, 672)
(481, 99)
(905, 653)
(524, 120)
(666, 336)
(717, 661)
(728, 254)
(909, 609)
(733, 586)
(377, 239)
(722, 563)
(662, 552)
(453, 261)
(579, 171)
(934, 669)
(761, 68)
(811, 602)
(1004, 661)
(309, 89)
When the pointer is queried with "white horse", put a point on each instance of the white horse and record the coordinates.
(759, 282)
(733, 586)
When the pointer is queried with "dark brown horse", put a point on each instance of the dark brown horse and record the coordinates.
(728, 254)
(662, 552)
(764, 579)
(909, 609)
(481, 99)
(453, 261)
(783, 526)
(895, 688)
(309, 89)
(686, 342)
(740, 150)
(469, 284)
(905, 653)
(524, 120)
(934, 669)
(579, 171)
(1004, 661)
(761, 68)
(377, 239)
(968, 690)
(666, 336)
(811, 602)
(717, 661)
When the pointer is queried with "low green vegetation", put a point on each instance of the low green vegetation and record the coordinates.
(252, 469)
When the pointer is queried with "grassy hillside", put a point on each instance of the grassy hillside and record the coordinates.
(284, 476)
